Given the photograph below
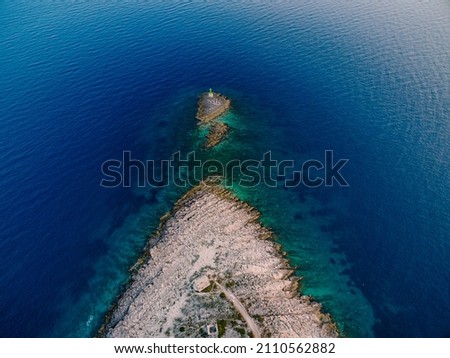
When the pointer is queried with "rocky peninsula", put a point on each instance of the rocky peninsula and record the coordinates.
(212, 269)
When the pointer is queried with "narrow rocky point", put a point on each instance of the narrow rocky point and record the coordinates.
(212, 270)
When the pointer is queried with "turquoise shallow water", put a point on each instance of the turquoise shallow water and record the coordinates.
(81, 83)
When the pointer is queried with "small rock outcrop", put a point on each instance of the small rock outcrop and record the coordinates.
(211, 105)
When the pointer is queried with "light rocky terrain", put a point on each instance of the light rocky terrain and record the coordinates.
(212, 270)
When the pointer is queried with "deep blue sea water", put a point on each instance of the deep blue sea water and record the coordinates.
(82, 82)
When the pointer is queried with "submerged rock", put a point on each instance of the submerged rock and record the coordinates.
(217, 133)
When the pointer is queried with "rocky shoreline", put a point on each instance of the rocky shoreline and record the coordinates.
(212, 270)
